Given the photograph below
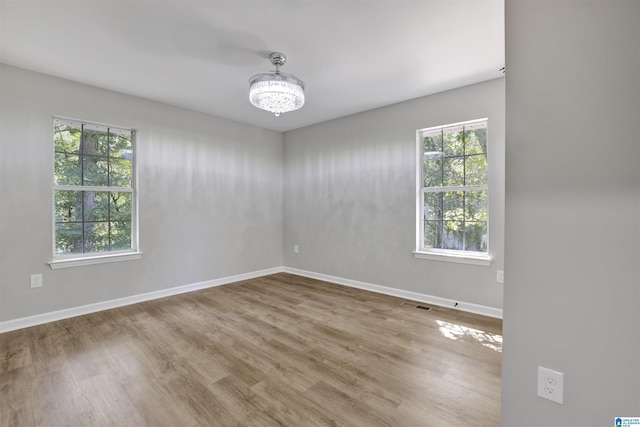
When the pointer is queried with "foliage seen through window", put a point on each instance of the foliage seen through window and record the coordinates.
(93, 186)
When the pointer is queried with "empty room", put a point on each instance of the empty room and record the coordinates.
(319, 213)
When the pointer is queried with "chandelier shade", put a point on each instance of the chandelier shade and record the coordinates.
(276, 92)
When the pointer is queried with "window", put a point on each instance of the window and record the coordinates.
(453, 191)
(94, 191)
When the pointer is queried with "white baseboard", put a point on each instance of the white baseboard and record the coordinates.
(38, 319)
(414, 296)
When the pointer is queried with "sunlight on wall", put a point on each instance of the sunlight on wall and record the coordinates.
(455, 332)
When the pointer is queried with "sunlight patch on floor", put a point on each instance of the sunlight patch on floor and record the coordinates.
(455, 332)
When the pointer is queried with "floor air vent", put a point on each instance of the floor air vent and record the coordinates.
(421, 307)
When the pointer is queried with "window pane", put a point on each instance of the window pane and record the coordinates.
(96, 205)
(432, 143)
(120, 173)
(103, 143)
(476, 170)
(453, 206)
(476, 141)
(476, 206)
(433, 205)
(120, 146)
(95, 141)
(432, 173)
(432, 234)
(453, 172)
(120, 206)
(453, 144)
(96, 236)
(68, 238)
(95, 171)
(120, 235)
(476, 236)
(453, 235)
(67, 169)
(66, 138)
(68, 206)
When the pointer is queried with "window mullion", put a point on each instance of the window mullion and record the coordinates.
(455, 188)
(81, 165)
(109, 219)
(464, 193)
(440, 242)
(108, 158)
(92, 188)
(81, 155)
(109, 193)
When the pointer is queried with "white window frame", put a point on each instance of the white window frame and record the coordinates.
(437, 254)
(76, 260)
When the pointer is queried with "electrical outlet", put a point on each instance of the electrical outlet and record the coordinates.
(500, 276)
(295, 249)
(550, 384)
(36, 280)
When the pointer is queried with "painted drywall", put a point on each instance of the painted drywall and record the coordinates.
(572, 297)
(350, 188)
(210, 195)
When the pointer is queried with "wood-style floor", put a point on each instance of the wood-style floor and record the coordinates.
(280, 350)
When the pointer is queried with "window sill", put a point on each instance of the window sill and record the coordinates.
(484, 259)
(90, 260)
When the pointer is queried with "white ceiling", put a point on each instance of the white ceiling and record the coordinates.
(354, 55)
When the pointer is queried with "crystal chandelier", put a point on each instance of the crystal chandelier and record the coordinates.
(276, 92)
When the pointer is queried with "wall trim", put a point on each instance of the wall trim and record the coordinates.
(52, 316)
(414, 296)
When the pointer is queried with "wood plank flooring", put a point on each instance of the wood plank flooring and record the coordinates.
(280, 350)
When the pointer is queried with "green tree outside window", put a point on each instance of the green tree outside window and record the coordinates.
(93, 188)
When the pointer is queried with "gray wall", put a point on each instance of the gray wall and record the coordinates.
(349, 196)
(572, 294)
(210, 195)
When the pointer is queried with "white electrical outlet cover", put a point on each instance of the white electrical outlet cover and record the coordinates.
(550, 384)
(36, 280)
